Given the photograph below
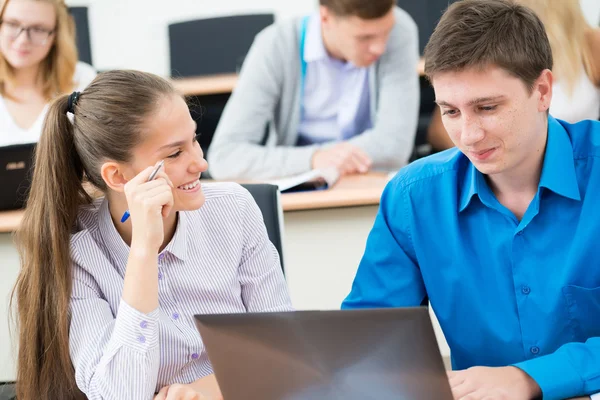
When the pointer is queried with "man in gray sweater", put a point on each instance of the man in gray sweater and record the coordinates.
(338, 88)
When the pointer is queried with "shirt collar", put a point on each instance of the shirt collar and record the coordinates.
(113, 241)
(558, 171)
(314, 49)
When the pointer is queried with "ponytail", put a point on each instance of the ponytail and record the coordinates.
(43, 289)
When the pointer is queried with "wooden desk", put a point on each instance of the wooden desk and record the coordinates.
(205, 85)
(10, 220)
(219, 84)
(357, 190)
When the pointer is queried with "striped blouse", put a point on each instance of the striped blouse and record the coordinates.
(219, 261)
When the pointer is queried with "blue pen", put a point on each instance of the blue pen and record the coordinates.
(125, 216)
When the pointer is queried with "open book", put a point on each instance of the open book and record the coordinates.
(316, 179)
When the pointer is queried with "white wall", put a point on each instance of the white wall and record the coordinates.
(134, 34)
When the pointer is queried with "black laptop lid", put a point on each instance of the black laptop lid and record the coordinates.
(15, 175)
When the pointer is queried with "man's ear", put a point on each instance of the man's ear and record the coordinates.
(114, 175)
(543, 86)
(324, 14)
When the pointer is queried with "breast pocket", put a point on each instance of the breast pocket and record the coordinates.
(583, 305)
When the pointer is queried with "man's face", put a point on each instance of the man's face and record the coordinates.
(359, 41)
(492, 117)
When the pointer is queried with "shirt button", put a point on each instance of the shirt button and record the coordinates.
(141, 339)
(161, 257)
(526, 290)
(160, 276)
(175, 316)
(143, 324)
(520, 233)
(195, 356)
(535, 350)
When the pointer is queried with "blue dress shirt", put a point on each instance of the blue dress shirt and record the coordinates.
(506, 292)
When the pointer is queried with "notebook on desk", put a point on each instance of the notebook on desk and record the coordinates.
(15, 174)
(381, 354)
(312, 180)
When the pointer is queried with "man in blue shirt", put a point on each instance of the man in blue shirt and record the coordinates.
(500, 234)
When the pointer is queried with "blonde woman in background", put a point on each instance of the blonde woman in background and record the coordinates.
(576, 52)
(38, 61)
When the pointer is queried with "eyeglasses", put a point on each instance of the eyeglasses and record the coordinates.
(37, 35)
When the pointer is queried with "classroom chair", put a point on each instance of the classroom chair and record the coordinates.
(426, 14)
(82, 33)
(208, 47)
(7, 391)
(268, 199)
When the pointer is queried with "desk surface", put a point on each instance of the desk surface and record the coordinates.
(219, 84)
(357, 190)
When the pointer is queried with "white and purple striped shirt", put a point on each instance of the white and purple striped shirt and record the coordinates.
(220, 260)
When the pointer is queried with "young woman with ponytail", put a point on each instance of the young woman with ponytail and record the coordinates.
(105, 308)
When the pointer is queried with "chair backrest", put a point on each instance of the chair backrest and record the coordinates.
(82, 33)
(268, 199)
(426, 14)
(7, 391)
(213, 45)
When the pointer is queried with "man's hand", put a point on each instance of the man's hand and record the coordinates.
(345, 157)
(504, 383)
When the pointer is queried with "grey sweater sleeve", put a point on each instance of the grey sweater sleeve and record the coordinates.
(236, 151)
(390, 142)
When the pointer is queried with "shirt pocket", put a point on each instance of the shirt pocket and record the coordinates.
(583, 306)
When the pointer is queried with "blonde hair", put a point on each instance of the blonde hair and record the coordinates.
(567, 31)
(58, 68)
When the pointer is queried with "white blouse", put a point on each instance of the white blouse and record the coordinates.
(583, 103)
(11, 133)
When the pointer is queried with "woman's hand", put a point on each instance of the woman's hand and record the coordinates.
(149, 203)
(179, 392)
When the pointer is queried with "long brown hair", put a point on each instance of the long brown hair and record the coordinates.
(58, 68)
(109, 120)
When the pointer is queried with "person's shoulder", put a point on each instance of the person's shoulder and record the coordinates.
(84, 75)
(432, 171)
(404, 21)
(217, 190)
(403, 40)
(585, 138)
(280, 32)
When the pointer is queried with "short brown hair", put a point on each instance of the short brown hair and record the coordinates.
(476, 33)
(363, 9)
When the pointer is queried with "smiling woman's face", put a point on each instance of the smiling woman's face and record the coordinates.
(171, 136)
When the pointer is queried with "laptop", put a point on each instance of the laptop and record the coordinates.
(16, 163)
(365, 354)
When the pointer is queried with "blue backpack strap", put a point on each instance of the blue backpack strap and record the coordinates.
(303, 28)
